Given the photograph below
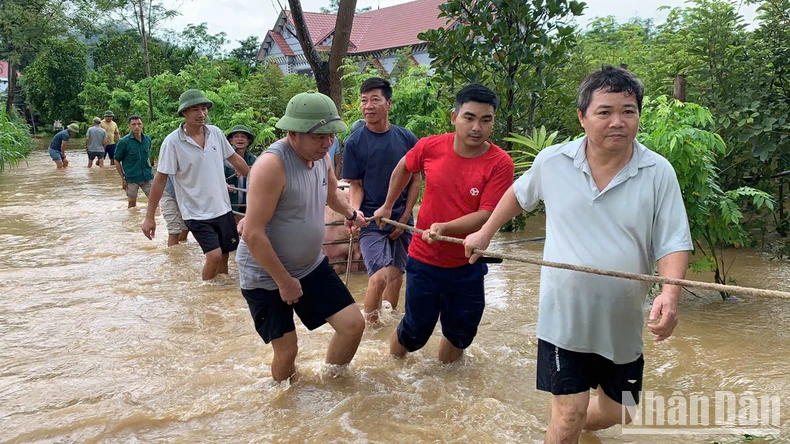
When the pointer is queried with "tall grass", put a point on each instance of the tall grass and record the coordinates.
(15, 140)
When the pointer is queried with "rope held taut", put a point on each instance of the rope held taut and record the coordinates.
(734, 289)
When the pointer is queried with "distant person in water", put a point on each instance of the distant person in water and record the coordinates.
(94, 143)
(132, 164)
(57, 148)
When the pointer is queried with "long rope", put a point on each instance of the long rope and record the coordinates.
(734, 289)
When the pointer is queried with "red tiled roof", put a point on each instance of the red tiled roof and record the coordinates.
(3, 69)
(392, 27)
(398, 26)
(281, 43)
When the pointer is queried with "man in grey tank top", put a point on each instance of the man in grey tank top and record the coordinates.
(282, 267)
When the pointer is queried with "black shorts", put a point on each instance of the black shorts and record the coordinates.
(565, 372)
(94, 155)
(323, 295)
(219, 232)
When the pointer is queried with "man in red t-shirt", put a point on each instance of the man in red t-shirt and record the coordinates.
(465, 176)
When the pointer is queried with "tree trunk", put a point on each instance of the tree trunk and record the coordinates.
(147, 63)
(680, 88)
(327, 74)
(9, 104)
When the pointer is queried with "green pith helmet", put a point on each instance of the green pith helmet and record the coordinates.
(73, 127)
(241, 129)
(109, 114)
(311, 113)
(192, 97)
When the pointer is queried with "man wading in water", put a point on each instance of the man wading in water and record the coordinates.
(282, 267)
(193, 154)
(465, 175)
(610, 203)
(371, 154)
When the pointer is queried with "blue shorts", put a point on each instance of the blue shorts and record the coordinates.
(110, 151)
(379, 251)
(55, 155)
(454, 295)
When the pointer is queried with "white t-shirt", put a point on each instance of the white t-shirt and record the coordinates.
(198, 173)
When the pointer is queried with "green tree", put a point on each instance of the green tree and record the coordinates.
(25, 27)
(681, 132)
(247, 51)
(53, 81)
(15, 141)
(203, 44)
(516, 48)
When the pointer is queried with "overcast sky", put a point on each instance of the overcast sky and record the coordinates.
(241, 18)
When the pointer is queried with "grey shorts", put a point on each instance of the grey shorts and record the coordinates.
(379, 251)
(171, 213)
(132, 189)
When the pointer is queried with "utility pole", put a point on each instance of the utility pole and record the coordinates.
(147, 63)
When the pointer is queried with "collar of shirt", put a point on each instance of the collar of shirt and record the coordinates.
(182, 134)
(642, 157)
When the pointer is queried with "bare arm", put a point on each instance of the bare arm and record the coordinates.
(412, 196)
(87, 141)
(240, 165)
(266, 185)
(356, 193)
(119, 168)
(117, 134)
(665, 306)
(63, 146)
(157, 188)
(337, 202)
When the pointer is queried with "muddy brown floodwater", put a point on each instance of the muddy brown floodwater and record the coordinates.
(107, 336)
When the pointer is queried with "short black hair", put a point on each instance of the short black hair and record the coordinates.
(377, 83)
(135, 117)
(610, 79)
(476, 93)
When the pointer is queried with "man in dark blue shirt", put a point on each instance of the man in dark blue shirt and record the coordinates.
(369, 157)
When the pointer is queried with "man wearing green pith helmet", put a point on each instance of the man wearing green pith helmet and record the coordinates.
(194, 155)
(282, 267)
(241, 138)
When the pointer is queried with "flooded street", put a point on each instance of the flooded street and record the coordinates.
(107, 336)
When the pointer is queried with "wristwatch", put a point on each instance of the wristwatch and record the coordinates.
(353, 217)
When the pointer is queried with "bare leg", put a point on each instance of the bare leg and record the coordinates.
(100, 162)
(59, 164)
(396, 348)
(448, 352)
(172, 239)
(394, 284)
(132, 203)
(372, 303)
(568, 415)
(213, 258)
(349, 326)
(90, 162)
(285, 350)
(65, 162)
(604, 412)
(223, 264)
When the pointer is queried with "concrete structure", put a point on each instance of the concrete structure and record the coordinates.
(375, 35)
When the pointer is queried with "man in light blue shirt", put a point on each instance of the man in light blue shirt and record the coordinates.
(610, 203)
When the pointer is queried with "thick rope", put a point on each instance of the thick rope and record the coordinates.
(734, 289)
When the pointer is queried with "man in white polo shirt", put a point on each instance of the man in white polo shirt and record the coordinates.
(194, 154)
(610, 203)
